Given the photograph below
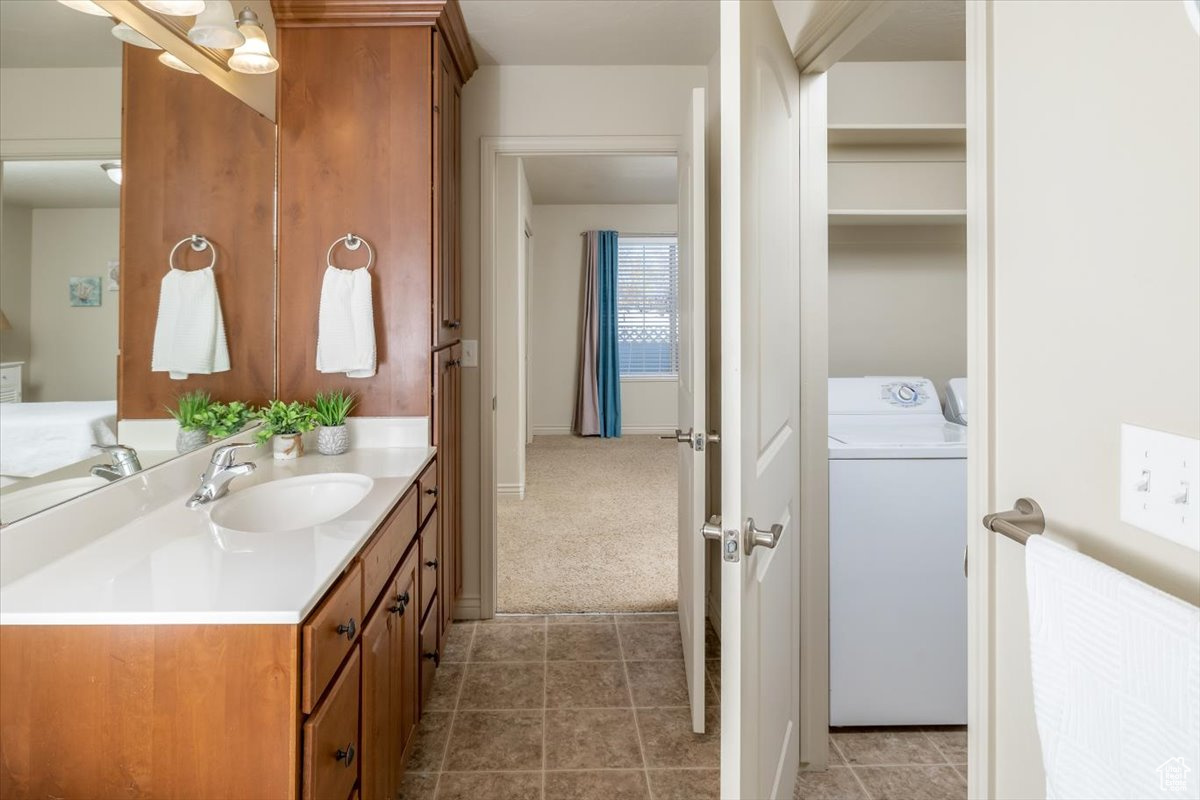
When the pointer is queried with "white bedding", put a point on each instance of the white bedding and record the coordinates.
(36, 438)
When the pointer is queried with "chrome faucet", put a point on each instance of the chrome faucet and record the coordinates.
(124, 462)
(214, 483)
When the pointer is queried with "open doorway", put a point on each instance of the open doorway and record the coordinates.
(568, 484)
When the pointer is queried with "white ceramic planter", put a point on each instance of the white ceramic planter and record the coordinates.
(187, 441)
(287, 446)
(333, 440)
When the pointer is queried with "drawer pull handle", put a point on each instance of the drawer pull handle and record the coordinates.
(348, 628)
(346, 755)
(432, 563)
(401, 604)
(431, 491)
(435, 657)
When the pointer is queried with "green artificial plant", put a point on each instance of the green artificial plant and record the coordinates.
(332, 408)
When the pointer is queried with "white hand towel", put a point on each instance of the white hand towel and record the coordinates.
(1116, 680)
(346, 324)
(189, 338)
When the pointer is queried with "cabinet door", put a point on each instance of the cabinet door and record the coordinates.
(406, 654)
(431, 579)
(331, 743)
(447, 383)
(447, 289)
(380, 727)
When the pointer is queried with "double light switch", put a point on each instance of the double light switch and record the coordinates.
(1160, 484)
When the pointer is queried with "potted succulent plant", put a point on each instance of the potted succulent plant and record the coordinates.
(333, 436)
(284, 424)
(221, 420)
(189, 413)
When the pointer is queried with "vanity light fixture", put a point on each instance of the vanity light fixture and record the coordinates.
(86, 6)
(216, 28)
(113, 170)
(175, 8)
(254, 57)
(128, 35)
(167, 58)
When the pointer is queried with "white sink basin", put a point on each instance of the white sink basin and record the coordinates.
(291, 503)
(23, 502)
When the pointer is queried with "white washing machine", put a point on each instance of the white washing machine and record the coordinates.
(956, 400)
(897, 530)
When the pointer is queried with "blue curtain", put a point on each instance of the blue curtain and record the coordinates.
(608, 366)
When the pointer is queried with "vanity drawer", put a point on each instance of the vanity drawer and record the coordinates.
(427, 483)
(381, 555)
(331, 745)
(328, 634)
(431, 563)
(430, 655)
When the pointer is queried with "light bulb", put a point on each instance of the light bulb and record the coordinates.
(128, 35)
(113, 170)
(86, 6)
(173, 61)
(254, 57)
(216, 28)
(175, 8)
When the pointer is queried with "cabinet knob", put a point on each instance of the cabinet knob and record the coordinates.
(401, 604)
(432, 563)
(348, 628)
(451, 323)
(431, 491)
(434, 656)
(345, 754)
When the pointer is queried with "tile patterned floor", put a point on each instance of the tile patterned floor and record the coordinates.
(570, 707)
(564, 707)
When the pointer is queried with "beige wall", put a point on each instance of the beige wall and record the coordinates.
(16, 239)
(73, 355)
(1096, 195)
(544, 101)
(86, 107)
(556, 292)
(898, 302)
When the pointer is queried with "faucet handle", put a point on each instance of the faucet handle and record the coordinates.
(120, 453)
(223, 455)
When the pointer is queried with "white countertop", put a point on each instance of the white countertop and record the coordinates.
(172, 566)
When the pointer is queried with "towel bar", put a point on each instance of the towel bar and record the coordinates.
(199, 243)
(1025, 520)
(352, 242)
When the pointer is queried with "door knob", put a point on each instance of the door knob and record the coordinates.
(680, 436)
(728, 539)
(758, 538)
(712, 528)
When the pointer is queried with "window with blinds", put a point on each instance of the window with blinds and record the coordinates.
(648, 305)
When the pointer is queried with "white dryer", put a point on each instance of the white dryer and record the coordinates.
(897, 530)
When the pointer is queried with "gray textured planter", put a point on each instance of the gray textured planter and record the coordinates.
(187, 441)
(334, 440)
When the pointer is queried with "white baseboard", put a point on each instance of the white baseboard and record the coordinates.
(511, 490)
(632, 430)
(467, 608)
(551, 430)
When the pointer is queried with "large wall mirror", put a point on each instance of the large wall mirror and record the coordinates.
(108, 159)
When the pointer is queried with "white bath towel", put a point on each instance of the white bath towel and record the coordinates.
(189, 338)
(1116, 680)
(346, 324)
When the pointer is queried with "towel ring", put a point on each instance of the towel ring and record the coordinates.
(352, 242)
(198, 244)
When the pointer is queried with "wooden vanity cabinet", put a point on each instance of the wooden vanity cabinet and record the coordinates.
(447, 281)
(447, 437)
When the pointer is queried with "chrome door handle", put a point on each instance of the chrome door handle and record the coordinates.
(680, 436)
(712, 528)
(758, 538)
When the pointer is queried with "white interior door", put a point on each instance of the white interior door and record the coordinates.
(760, 405)
(692, 399)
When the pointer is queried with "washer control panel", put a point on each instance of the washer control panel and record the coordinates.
(883, 394)
(905, 394)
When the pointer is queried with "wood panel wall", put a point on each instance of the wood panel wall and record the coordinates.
(123, 711)
(355, 154)
(196, 160)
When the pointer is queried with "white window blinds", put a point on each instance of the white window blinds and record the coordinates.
(648, 305)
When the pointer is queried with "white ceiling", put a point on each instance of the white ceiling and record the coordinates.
(601, 180)
(43, 33)
(917, 30)
(59, 184)
(592, 31)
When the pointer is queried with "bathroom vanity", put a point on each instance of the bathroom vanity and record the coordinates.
(201, 653)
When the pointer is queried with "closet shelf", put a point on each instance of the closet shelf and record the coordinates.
(949, 133)
(893, 216)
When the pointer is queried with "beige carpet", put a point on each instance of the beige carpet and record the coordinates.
(596, 530)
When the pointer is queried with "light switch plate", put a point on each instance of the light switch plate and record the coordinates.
(1160, 484)
(470, 352)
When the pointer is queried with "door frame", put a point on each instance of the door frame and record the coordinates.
(492, 148)
(832, 32)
